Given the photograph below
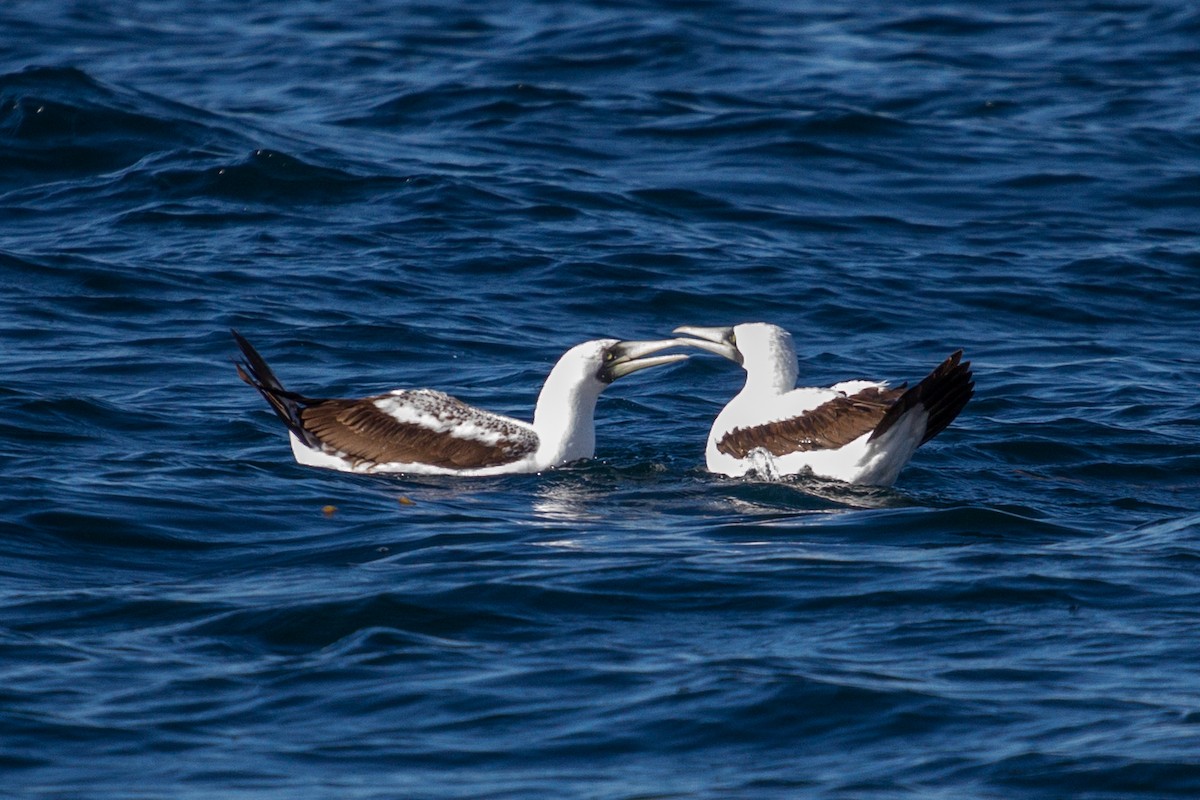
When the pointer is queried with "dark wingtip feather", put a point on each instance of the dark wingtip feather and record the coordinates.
(951, 388)
(253, 369)
(944, 393)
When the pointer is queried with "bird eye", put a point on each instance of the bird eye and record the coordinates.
(609, 356)
(733, 339)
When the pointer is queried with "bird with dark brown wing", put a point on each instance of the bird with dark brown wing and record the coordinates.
(429, 432)
(856, 431)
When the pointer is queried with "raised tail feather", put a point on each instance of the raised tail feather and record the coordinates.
(254, 371)
(943, 393)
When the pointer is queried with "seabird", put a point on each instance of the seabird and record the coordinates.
(856, 431)
(423, 431)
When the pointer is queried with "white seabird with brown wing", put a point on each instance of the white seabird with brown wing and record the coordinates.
(856, 431)
(423, 431)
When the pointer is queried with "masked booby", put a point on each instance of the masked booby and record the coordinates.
(423, 431)
(856, 431)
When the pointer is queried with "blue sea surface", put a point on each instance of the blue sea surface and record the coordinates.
(450, 195)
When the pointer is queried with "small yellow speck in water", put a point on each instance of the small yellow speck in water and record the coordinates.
(328, 510)
(405, 501)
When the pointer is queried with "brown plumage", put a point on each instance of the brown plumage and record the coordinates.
(826, 427)
(364, 432)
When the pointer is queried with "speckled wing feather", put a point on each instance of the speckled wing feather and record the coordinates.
(417, 427)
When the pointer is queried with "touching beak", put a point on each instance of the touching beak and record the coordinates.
(624, 358)
(715, 340)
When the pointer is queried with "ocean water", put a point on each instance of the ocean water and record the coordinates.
(382, 195)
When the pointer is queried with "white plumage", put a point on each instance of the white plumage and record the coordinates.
(856, 431)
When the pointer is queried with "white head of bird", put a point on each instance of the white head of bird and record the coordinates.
(565, 408)
(764, 350)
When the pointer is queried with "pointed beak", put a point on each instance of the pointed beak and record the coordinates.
(624, 358)
(715, 340)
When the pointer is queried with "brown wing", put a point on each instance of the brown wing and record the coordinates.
(828, 426)
(366, 433)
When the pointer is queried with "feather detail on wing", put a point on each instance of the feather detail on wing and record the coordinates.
(417, 427)
(831, 425)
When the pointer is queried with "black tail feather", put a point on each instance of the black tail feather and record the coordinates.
(254, 371)
(943, 393)
(950, 391)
